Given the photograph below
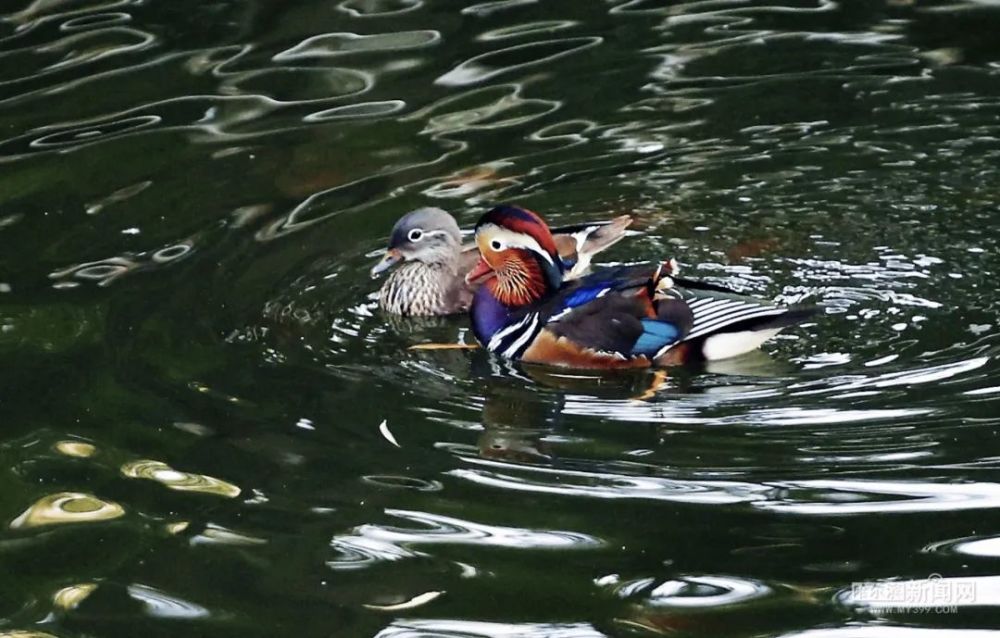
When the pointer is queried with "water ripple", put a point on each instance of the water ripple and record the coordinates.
(488, 65)
(690, 592)
(354, 111)
(484, 9)
(495, 107)
(85, 22)
(180, 481)
(453, 531)
(298, 84)
(77, 135)
(527, 28)
(40, 11)
(330, 45)
(91, 46)
(807, 152)
(981, 546)
(617, 486)
(370, 543)
(378, 8)
(454, 628)
(67, 507)
(159, 604)
(105, 272)
(843, 497)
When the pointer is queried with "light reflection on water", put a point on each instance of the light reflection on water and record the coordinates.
(192, 196)
(67, 507)
(370, 544)
(476, 629)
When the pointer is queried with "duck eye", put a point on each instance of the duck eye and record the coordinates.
(496, 245)
(415, 235)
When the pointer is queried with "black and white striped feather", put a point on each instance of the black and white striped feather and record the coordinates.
(514, 339)
(728, 325)
(715, 314)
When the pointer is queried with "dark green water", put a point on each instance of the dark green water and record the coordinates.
(191, 194)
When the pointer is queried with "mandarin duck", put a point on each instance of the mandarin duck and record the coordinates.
(624, 317)
(431, 278)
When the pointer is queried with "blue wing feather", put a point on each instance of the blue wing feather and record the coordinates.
(595, 284)
(583, 295)
(655, 335)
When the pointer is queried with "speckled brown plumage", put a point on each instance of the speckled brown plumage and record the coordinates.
(417, 289)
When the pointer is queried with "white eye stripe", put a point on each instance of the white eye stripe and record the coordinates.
(424, 234)
(510, 239)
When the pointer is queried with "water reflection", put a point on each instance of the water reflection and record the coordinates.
(67, 507)
(601, 485)
(488, 65)
(370, 544)
(987, 547)
(218, 535)
(78, 449)
(690, 592)
(159, 604)
(107, 271)
(180, 481)
(860, 497)
(425, 628)
(190, 196)
(378, 8)
(887, 631)
(70, 597)
(331, 45)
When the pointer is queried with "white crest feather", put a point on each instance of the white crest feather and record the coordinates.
(511, 239)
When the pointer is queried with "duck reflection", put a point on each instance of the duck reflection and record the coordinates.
(415, 327)
(714, 605)
(515, 423)
(525, 406)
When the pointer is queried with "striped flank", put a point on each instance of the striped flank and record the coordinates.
(713, 314)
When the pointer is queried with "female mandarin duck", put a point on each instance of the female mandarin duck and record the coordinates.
(619, 318)
(431, 279)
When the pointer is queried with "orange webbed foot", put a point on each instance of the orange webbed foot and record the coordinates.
(659, 380)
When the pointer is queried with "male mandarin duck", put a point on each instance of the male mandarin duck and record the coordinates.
(625, 317)
(431, 280)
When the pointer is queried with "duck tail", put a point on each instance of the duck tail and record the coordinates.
(605, 235)
(793, 315)
(740, 337)
(579, 243)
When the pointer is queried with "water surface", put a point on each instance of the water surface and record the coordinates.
(196, 371)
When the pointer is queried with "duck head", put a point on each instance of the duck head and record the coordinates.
(519, 262)
(427, 235)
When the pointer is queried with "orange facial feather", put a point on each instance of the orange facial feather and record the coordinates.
(519, 279)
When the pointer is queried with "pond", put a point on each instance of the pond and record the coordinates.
(209, 429)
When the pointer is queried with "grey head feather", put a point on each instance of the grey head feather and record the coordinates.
(428, 235)
(429, 282)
